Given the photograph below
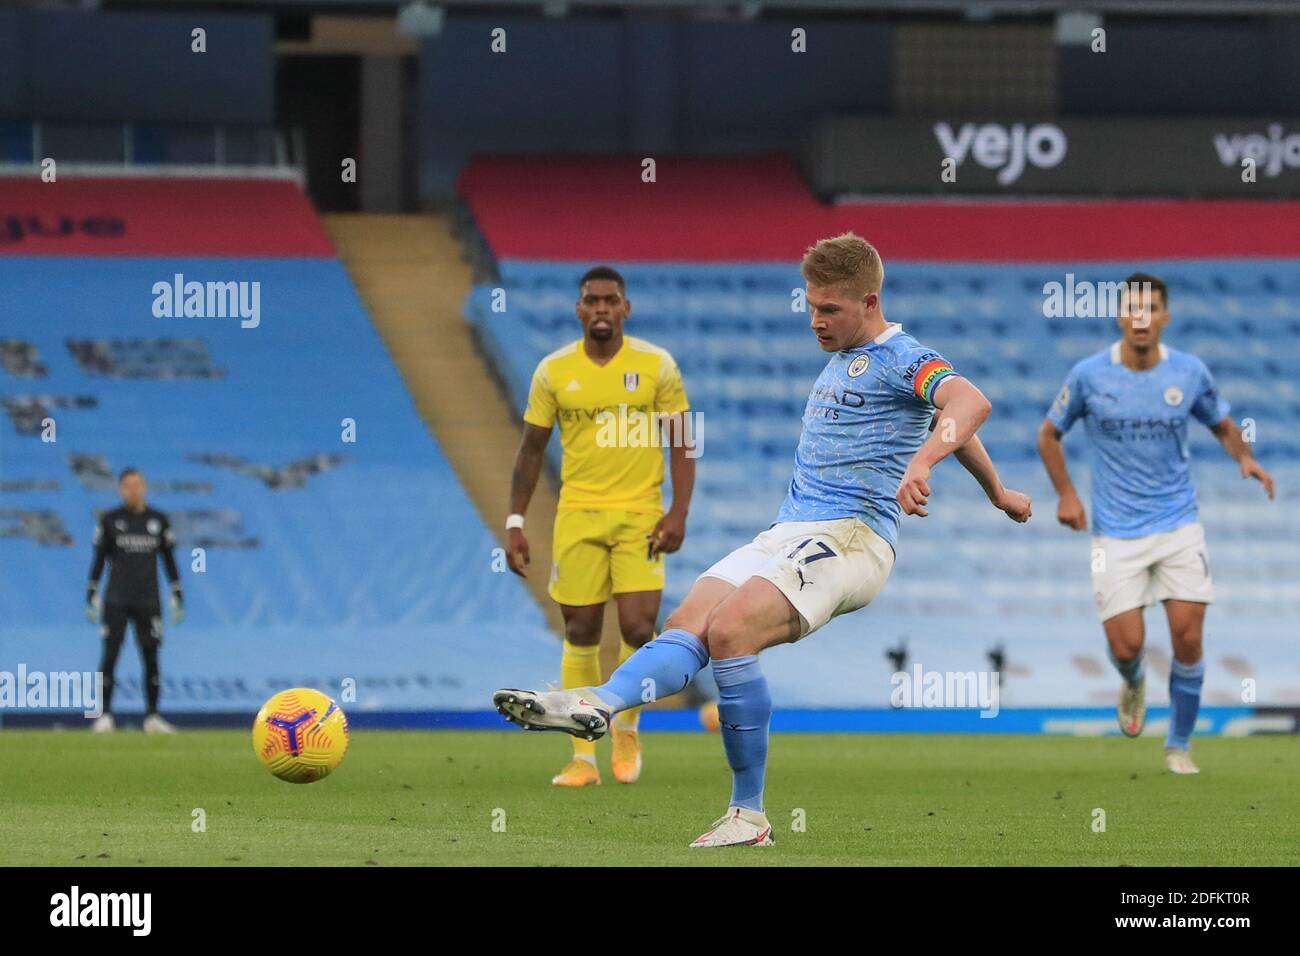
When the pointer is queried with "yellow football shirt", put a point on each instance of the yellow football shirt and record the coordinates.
(609, 417)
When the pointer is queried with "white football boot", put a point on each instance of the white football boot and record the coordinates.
(1180, 761)
(1132, 709)
(566, 710)
(738, 827)
(104, 724)
(154, 724)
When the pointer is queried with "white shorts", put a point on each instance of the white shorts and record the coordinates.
(1128, 573)
(824, 568)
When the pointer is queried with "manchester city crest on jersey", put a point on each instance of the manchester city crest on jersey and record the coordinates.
(1173, 395)
(631, 380)
(153, 526)
(858, 366)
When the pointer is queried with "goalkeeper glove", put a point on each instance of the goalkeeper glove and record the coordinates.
(92, 604)
(178, 608)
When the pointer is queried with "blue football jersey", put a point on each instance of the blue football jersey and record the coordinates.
(868, 413)
(1136, 423)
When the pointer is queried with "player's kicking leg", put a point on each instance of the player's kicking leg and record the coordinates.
(782, 594)
(747, 620)
(658, 670)
(1125, 635)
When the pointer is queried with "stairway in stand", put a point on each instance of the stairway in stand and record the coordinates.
(408, 271)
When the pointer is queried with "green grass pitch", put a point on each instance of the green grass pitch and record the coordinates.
(485, 798)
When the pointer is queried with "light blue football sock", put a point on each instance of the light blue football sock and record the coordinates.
(1130, 670)
(745, 710)
(659, 669)
(1185, 682)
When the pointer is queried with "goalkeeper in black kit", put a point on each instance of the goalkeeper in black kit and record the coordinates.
(131, 539)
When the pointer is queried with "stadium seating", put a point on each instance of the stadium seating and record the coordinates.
(326, 560)
(967, 581)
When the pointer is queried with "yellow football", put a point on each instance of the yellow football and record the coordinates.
(300, 735)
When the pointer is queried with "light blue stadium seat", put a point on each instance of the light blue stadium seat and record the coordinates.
(376, 568)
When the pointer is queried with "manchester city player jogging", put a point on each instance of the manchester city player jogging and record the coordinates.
(871, 435)
(1135, 399)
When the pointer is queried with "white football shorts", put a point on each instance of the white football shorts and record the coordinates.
(1128, 573)
(824, 568)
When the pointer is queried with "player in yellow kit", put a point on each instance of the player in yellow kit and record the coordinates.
(609, 393)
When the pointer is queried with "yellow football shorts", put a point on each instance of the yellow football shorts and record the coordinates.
(599, 553)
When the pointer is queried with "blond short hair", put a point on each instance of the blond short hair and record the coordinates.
(848, 261)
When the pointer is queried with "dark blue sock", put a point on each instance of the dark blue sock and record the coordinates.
(1185, 682)
(659, 669)
(745, 709)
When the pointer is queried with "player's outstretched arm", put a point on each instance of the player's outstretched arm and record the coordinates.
(1069, 510)
(974, 457)
(523, 482)
(1234, 444)
(963, 409)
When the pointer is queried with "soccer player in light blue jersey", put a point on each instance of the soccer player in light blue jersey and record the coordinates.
(1136, 399)
(883, 412)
